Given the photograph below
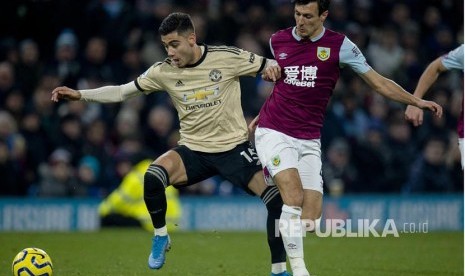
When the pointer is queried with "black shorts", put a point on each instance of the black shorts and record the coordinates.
(238, 165)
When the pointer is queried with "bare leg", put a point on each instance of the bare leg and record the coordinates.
(312, 209)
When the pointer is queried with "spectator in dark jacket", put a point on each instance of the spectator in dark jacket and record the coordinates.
(429, 173)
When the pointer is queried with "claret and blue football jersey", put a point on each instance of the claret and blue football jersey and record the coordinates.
(310, 70)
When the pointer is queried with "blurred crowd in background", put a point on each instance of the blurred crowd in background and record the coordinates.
(84, 149)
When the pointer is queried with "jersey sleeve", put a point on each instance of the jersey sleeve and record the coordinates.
(249, 64)
(150, 80)
(453, 59)
(351, 55)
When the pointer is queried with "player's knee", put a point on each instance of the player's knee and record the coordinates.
(155, 179)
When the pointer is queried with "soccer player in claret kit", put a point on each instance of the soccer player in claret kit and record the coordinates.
(203, 84)
(287, 137)
(450, 61)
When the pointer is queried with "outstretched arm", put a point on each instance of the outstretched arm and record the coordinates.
(429, 76)
(65, 93)
(393, 91)
(105, 94)
(272, 71)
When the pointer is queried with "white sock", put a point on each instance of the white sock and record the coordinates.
(291, 230)
(161, 231)
(296, 263)
(277, 268)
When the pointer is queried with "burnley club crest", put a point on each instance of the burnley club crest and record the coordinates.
(323, 53)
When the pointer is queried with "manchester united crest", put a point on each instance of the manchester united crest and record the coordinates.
(323, 53)
(215, 75)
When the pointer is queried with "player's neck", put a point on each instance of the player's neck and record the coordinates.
(198, 51)
(317, 34)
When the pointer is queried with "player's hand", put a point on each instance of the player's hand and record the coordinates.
(434, 107)
(272, 73)
(253, 125)
(65, 93)
(414, 115)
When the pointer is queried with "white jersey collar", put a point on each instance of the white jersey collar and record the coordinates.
(316, 38)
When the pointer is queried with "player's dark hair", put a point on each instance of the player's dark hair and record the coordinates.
(176, 22)
(323, 5)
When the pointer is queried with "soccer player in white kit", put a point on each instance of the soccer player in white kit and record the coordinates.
(449, 61)
(287, 137)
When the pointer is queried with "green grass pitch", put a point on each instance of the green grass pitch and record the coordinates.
(124, 252)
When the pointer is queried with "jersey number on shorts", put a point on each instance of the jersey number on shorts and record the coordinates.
(251, 155)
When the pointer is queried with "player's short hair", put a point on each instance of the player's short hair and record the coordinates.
(323, 5)
(177, 21)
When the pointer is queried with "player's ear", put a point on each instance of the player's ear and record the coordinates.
(323, 16)
(192, 39)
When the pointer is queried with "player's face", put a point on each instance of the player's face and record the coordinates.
(308, 23)
(180, 48)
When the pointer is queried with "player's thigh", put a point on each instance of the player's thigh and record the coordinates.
(280, 157)
(197, 165)
(184, 166)
(310, 167)
(276, 152)
(241, 167)
(172, 162)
